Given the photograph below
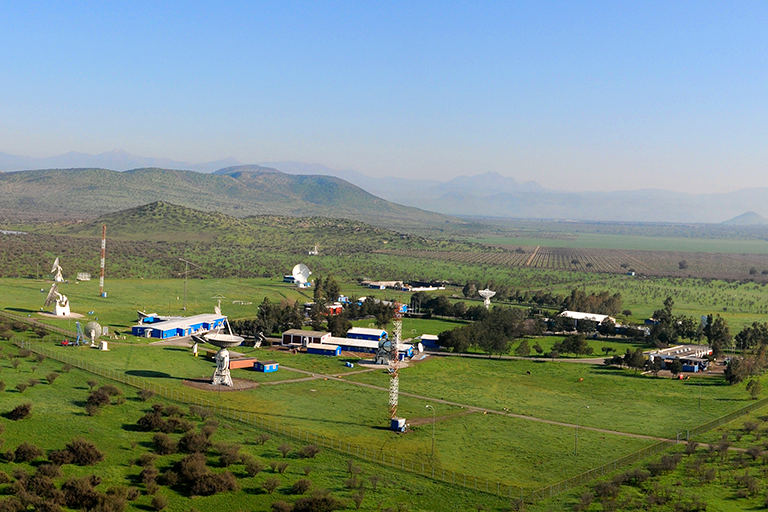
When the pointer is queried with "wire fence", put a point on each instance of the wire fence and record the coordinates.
(423, 468)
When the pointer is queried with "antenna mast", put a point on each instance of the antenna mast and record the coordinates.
(186, 274)
(394, 381)
(103, 257)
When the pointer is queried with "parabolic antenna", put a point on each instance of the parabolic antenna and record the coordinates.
(486, 295)
(52, 295)
(93, 329)
(56, 265)
(301, 273)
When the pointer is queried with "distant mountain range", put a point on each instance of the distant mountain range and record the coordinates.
(236, 191)
(482, 195)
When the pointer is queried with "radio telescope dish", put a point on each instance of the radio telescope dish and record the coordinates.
(52, 295)
(301, 273)
(486, 295)
(56, 271)
(93, 331)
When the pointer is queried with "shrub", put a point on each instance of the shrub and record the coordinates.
(84, 452)
(358, 498)
(309, 451)
(111, 390)
(145, 394)
(151, 488)
(146, 459)
(132, 494)
(27, 452)
(307, 470)
(11, 504)
(281, 467)
(253, 467)
(281, 506)
(192, 467)
(23, 352)
(79, 493)
(33, 382)
(21, 387)
(20, 412)
(9, 456)
(159, 502)
(173, 410)
(285, 449)
(194, 442)
(262, 438)
(169, 478)
(151, 421)
(98, 398)
(49, 470)
(15, 362)
(51, 377)
(229, 454)
(2, 386)
(199, 412)
(92, 410)
(92, 384)
(164, 445)
(148, 475)
(213, 483)
(320, 500)
(66, 368)
(374, 479)
(301, 486)
(60, 457)
(209, 429)
(270, 484)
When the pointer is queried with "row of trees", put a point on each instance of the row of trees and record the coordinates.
(492, 334)
(604, 302)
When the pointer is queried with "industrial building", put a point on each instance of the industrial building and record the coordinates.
(430, 341)
(154, 326)
(365, 333)
(323, 349)
(692, 357)
(302, 338)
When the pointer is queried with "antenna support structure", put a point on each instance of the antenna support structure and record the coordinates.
(103, 258)
(187, 263)
(394, 371)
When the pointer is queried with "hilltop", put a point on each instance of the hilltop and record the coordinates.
(747, 219)
(87, 193)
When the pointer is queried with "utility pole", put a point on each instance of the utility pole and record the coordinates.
(186, 275)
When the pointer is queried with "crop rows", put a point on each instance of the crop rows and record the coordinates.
(615, 261)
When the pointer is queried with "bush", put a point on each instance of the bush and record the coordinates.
(2, 386)
(84, 452)
(148, 475)
(33, 382)
(20, 412)
(285, 449)
(145, 394)
(23, 352)
(98, 398)
(262, 438)
(199, 412)
(159, 502)
(281, 506)
(280, 467)
(92, 384)
(164, 445)
(146, 459)
(49, 470)
(51, 377)
(111, 390)
(151, 421)
(309, 451)
(209, 429)
(79, 493)
(169, 478)
(21, 387)
(192, 467)
(60, 457)
(229, 454)
(213, 483)
(253, 467)
(301, 486)
(66, 368)
(270, 484)
(27, 452)
(194, 442)
(9, 456)
(319, 501)
(92, 410)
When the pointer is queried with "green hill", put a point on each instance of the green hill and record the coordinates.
(87, 193)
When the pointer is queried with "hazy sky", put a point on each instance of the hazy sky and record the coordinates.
(575, 95)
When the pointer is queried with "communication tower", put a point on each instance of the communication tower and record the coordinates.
(394, 372)
(103, 257)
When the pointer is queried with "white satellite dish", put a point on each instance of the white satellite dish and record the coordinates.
(93, 331)
(301, 273)
(420, 347)
(52, 295)
(486, 295)
(56, 271)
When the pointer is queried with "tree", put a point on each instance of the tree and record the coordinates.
(331, 289)
(675, 366)
(682, 264)
(718, 335)
(754, 388)
(654, 366)
(523, 350)
(339, 325)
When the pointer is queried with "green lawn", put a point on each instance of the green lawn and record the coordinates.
(618, 399)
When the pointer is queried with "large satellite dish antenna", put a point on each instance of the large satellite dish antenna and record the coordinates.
(93, 331)
(301, 274)
(56, 271)
(486, 295)
(52, 295)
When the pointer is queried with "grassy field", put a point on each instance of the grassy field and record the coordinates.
(114, 432)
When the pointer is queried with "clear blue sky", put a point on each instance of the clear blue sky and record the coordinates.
(581, 95)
